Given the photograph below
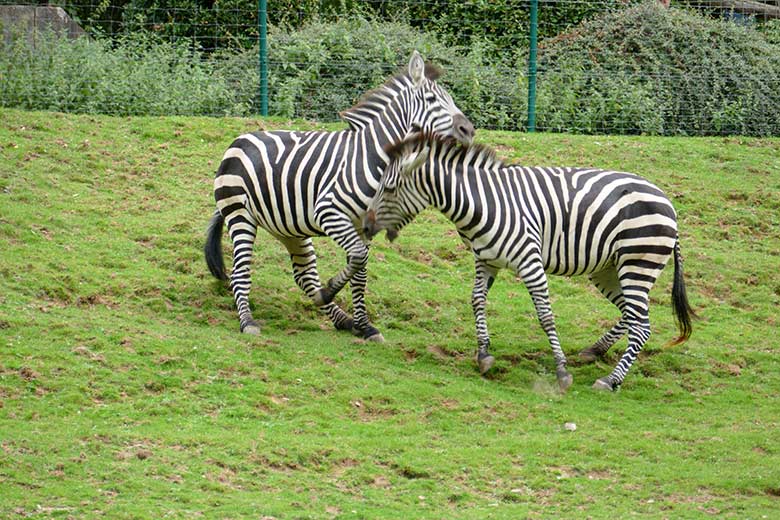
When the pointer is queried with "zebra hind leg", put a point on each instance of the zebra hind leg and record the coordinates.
(599, 348)
(606, 281)
(304, 264)
(636, 278)
(242, 234)
(638, 333)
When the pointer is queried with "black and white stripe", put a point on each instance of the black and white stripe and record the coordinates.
(616, 227)
(297, 185)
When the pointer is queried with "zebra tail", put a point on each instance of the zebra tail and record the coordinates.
(683, 312)
(213, 247)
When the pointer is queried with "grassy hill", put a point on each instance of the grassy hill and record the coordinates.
(126, 390)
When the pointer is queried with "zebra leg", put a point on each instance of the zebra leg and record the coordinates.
(483, 281)
(242, 232)
(607, 282)
(362, 326)
(340, 228)
(304, 264)
(604, 343)
(636, 278)
(535, 281)
(638, 333)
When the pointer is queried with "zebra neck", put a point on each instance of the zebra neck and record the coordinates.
(466, 194)
(444, 189)
(374, 103)
(388, 127)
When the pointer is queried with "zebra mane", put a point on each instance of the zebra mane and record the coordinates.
(373, 102)
(475, 153)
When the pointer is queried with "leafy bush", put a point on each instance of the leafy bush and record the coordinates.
(648, 69)
(771, 31)
(503, 24)
(645, 69)
(226, 24)
(233, 23)
(315, 72)
(322, 68)
(137, 75)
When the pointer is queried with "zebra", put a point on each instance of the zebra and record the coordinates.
(616, 227)
(297, 185)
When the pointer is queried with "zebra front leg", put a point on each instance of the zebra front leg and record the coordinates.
(536, 282)
(356, 260)
(363, 326)
(340, 228)
(304, 264)
(483, 281)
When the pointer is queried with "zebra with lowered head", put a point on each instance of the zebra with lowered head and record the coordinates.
(297, 185)
(616, 227)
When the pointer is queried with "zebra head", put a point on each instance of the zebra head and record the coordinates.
(432, 110)
(399, 198)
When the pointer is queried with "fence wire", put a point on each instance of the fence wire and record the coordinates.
(611, 66)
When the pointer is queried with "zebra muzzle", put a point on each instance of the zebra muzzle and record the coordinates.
(369, 224)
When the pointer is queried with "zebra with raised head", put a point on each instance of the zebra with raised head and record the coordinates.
(616, 227)
(297, 185)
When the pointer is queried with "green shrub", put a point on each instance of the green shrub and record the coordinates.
(315, 72)
(652, 70)
(644, 69)
(233, 23)
(503, 24)
(135, 75)
(771, 31)
(322, 68)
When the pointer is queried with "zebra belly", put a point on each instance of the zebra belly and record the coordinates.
(565, 261)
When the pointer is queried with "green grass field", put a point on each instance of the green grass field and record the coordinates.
(126, 390)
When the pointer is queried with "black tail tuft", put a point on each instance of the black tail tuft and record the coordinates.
(213, 247)
(682, 310)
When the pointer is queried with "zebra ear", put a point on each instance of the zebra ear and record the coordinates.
(417, 69)
(414, 160)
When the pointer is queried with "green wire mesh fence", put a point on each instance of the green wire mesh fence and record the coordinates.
(610, 66)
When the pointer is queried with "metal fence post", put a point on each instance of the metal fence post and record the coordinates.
(534, 22)
(262, 11)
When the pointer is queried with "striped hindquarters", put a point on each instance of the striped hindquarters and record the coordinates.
(588, 216)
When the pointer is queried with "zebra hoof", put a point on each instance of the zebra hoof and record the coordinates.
(588, 355)
(345, 325)
(565, 379)
(485, 363)
(322, 297)
(251, 328)
(603, 385)
(369, 333)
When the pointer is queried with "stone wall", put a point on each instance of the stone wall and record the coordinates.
(30, 19)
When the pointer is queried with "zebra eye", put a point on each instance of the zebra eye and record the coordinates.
(430, 98)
